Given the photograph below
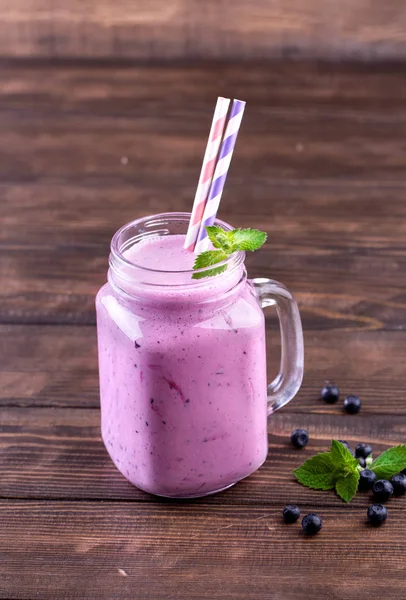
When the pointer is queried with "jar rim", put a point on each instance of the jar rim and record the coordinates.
(117, 248)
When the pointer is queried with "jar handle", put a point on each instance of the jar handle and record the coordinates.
(289, 379)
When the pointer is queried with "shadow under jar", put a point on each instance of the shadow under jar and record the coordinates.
(182, 364)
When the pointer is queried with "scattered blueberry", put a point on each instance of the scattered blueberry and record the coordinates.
(330, 394)
(399, 484)
(377, 514)
(362, 462)
(299, 438)
(311, 524)
(363, 450)
(291, 513)
(382, 490)
(352, 405)
(367, 479)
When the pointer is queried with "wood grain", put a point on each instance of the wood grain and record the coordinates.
(320, 166)
(57, 285)
(111, 86)
(320, 160)
(85, 133)
(87, 550)
(56, 366)
(59, 454)
(181, 29)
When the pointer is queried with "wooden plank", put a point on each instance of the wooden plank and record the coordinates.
(308, 163)
(72, 526)
(51, 273)
(302, 214)
(181, 29)
(336, 287)
(48, 366)
(63, 137)
(110, 87)
(57, 366)
(58, 453)
(159, 551)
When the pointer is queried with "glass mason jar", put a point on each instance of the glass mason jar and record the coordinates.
(183, 390)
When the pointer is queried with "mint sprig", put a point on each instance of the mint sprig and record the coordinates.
(346, 487)
(317, 472)
(390, 462)
(342, 457)
(225, 244)
(340, 470)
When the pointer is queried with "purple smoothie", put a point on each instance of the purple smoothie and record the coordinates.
(182, 374)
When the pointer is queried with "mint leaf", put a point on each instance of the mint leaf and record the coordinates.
(342, 457)
(346, 470)
(226, 243)
(337, 468)
(317, 472)
(390, 462)
(209, 258)
(346, 487)
(247, 239)
(220, 238)
(210, 272)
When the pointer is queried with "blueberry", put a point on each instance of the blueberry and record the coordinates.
(352, 405)
(291, 513)
(363, 450)
(399, 484)
(367, 479)
(362, 462)
(377, 514)
(299, 438)
(382, 490)
(311, 524)
(330, 394)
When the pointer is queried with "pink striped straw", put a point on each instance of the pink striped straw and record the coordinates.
(220, 173)
(206, 174)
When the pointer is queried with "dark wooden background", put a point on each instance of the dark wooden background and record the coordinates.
(220, 29)
(117, 130)
(320, 166)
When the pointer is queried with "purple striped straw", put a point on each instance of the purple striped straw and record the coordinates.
(220, 173)
(209, 164)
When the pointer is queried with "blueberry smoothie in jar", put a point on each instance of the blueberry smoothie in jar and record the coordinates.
(182, 365)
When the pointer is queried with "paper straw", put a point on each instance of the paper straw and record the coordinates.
(220, 173)
(206, 174)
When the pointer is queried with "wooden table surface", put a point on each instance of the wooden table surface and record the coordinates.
(320, 165)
